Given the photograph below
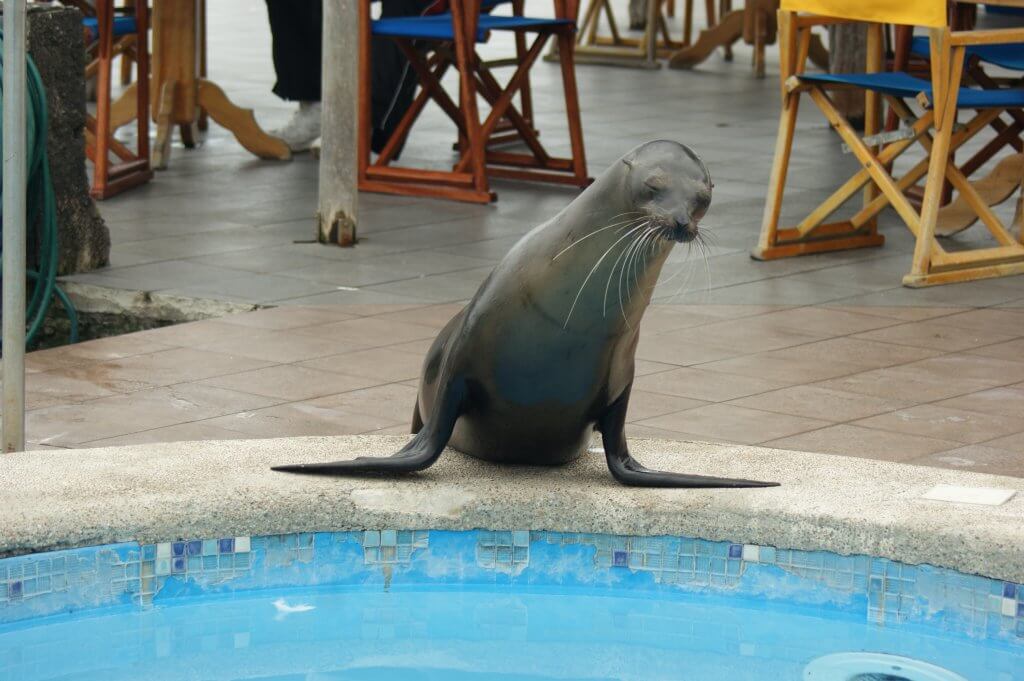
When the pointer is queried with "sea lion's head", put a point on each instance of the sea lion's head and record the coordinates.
(669, 183)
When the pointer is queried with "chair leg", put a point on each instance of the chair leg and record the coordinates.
(572, 107)
(101, 161)
(767, 247)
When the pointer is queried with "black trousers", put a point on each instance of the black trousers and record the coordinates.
(296, 26)
(296, 29)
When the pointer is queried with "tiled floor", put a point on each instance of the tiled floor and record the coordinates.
(222, 224)
(825, 353)
(933, 386)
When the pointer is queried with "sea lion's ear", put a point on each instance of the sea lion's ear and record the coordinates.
(629, 161)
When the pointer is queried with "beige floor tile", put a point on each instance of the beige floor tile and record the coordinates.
(637, 430)
(434, 316)
(699, 384)
(865, 443)
(139, 411)
(909, 314)
(1011, 443)
(88, 352)
(994, 321)
(287, 317)
(290, 382)
(730, 423)
(280, 347)
(297, 419)
(978, 458)
(182, 432)
(416, 347)
(827, 321)
(815, 402)
(1012, 350)
(374, 309)
(193, 334)
(371, 331)
(1007, 402)
(726, 311)
(180, 365)
(783, 369)
(644, 367)
(386, 365)
(73, 385)
(944, 423)
(645, 405)
(394, 402)
(680, 348)
(863, 353)
(754, 334)
(901, 383)
(935, 334)
(664, 318)
(991, 371)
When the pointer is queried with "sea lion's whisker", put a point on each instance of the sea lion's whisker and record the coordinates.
(632, 249)
(594, 269)
(622, 254)
(627, 223)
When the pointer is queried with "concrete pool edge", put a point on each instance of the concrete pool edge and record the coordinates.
(163, 492)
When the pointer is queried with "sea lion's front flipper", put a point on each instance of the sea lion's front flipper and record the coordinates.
(422, 451)
(629, 471)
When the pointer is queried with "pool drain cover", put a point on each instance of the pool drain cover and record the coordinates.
(874, 667)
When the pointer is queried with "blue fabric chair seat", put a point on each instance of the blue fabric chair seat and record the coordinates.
(439, 26)
(1007, 55)
(903, 85)
(122, 26)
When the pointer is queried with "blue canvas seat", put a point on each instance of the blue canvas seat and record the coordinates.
(439, 26)
(905, 86)
(1006, 55)
(123, 26)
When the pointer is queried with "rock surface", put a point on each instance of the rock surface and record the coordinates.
(59, 499)
(55, 44)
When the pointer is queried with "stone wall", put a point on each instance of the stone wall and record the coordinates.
(56, 46)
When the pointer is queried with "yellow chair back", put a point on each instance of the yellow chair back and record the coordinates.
(930, 13)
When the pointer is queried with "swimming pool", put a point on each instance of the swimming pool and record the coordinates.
(438, 604)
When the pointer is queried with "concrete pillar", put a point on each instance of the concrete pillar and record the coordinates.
(336, 214)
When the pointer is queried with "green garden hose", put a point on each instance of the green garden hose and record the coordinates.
(41, 212)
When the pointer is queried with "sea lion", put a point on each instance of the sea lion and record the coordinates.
(544, 352)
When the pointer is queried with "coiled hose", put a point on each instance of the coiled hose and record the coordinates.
(41, 212)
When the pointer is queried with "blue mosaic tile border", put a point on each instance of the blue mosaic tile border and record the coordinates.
(885, 592)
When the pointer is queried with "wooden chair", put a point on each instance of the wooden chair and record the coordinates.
(936, 130)
(447, 41)
(115, 166)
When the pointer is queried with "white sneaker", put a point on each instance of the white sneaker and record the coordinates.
(303, 127)
(314, 148)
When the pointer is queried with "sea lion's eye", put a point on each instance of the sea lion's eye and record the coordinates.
(655, 184)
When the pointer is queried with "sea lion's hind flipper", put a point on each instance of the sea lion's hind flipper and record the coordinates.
(418, 454)
(629, 471)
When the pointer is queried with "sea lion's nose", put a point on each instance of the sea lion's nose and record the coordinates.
(685, 229)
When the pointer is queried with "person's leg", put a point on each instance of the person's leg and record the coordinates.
(296, 28)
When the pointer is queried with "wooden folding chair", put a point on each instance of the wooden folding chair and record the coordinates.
(108, 32)
(433, 45)
(935, 129)
(1000, 183)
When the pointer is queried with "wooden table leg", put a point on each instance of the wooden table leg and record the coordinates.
(727, 31)
(181, 94)
(162, 112)
(241, 122)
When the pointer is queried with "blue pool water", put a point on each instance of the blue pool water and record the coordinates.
(345, 633)
(421, 605)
